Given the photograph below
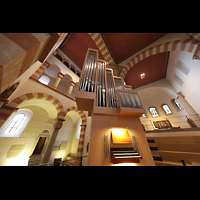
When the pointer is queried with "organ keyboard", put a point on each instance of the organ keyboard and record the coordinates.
(124, 155)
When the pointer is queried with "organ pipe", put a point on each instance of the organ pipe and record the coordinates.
(110, 91)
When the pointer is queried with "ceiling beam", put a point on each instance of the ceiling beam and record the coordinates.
(99, 41)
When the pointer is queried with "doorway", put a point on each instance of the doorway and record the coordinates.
(39, 146)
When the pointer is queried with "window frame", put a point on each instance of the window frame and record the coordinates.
(21, 126)
(175, 105)
(156, 111)
(164, 109)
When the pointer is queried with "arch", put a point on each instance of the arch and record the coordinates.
(50, 98)
(188, 45)
(52, 71)
(195, 36)
(82, 134)
(81, 113)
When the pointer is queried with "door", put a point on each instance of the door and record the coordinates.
(39, 146)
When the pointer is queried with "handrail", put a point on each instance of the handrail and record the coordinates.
(176, 121)
(65, 161)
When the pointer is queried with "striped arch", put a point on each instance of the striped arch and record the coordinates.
(29, 96)
(40, 70)
(102, 47)
(82, 134)
(189, 45)
(195, 36)
(81, 113)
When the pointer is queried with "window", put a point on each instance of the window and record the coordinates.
(153, 112)
(16, 123)
(44, 79)
(144, 115)
(78, 130)
(177, 104)
(166, 109)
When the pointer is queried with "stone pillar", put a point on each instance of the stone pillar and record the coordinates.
(47, 155)
(60, 76)
(72, 84)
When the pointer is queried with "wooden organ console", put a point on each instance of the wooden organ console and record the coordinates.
(123, 149)
(111, 104)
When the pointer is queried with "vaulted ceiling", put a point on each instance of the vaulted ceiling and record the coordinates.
(117, 47)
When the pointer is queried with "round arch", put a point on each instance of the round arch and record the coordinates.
(82, 134)
(81, 113)
(188, 45)
(61, 114)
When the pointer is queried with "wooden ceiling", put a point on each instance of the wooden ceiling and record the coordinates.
(76, 46)
(123, 45)
(120, 46)
(154, 68)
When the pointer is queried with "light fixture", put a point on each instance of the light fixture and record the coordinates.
(142, 75)
(120, 136)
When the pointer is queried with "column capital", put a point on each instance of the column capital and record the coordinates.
(72, 83)
(58, 124)
(60, 75)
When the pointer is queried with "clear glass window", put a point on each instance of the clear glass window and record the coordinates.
(15, 123)
(177, 104)
(166, 109)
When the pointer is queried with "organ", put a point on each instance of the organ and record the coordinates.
(99, 88)
(111, 104)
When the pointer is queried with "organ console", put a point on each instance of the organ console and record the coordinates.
(123, 149)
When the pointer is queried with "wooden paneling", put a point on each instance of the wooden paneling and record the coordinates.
(174, 149)
(18, 51)
(102, 124)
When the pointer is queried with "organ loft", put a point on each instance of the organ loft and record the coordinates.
(117, 135)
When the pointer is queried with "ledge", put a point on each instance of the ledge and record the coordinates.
(174, 130)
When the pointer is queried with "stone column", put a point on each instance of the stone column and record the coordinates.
(72, 84)
(60, 76)
(47, 155)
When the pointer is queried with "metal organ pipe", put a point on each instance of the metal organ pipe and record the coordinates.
(111, 91)
(101, 90)
(97, 70)
(89, 73)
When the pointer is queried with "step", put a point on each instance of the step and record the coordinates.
(168, 163)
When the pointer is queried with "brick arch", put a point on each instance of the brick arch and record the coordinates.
(82, 134)
(81, 113)
(50, 98)
(188, 45)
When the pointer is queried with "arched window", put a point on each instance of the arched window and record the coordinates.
(78, 130)
(44, 79)
(16, 123)
(166, 109)
(153, 112)
(177, 104)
